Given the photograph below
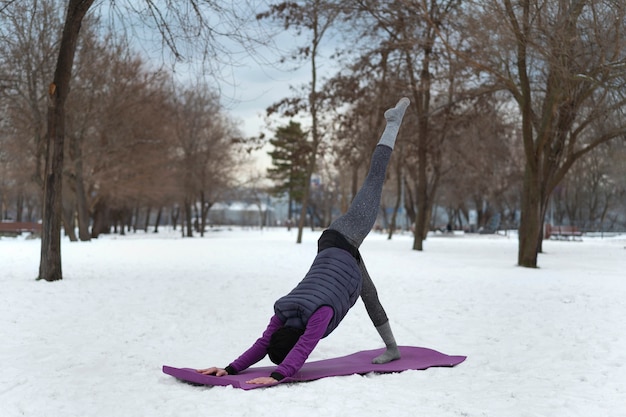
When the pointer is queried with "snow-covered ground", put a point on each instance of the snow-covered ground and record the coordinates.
(544, 342)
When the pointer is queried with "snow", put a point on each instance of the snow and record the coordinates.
(540, 342)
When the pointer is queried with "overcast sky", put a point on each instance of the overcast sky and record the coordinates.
(248, 87)
(256, 89)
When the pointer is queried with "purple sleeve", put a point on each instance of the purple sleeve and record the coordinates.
(259, 349)
(315, 329)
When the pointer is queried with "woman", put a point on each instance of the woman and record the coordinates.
(337, 277)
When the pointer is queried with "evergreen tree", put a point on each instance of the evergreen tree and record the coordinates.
(289, 159)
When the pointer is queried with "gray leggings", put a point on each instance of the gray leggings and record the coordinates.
(357, 222)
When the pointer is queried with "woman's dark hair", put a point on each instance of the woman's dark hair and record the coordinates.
(281, 343)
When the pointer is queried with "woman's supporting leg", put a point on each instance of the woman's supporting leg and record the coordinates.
(377, 314)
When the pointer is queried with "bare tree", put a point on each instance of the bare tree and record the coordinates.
(365, 88)
(179, 28)
(99, 60)
(592, 195)
(220, 161)
(28, 47)
(411, 32)
(563, 63)
(483, 162)
(317, 18)
(125, 150)
(58, 90)
(205, 139)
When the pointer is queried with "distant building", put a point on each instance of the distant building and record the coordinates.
(239, 213)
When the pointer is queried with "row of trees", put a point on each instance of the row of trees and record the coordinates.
(482, 182)
(134, 138)
(506, 98)
(536, 85)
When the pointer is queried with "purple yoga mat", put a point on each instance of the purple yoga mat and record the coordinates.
(415, 358)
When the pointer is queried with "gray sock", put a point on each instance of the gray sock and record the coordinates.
(392, 353)
(394, 120)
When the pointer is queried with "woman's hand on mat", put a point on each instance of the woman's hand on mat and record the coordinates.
(213, 371)
(262, 380)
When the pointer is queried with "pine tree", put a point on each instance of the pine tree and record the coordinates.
(289, 159)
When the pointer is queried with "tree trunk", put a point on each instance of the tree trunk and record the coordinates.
(76, 155)
(133, 220)
(81, 208)
(19, 207)
(305, 194)
(188, 218)
(157, 222)
(530, 220)
(313, 104)
(147, 222)
(101, 219)
(409, 202)
(422, 104)
(174, 216)
(421, 191)
(396, 207)
(126, 218)
(50, 261)
(290, 212)
(206, 207)
(196, 216)
(68, 223)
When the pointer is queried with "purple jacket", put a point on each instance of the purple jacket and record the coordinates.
(318, 304)
(314, 331)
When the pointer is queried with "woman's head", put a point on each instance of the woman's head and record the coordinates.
(281, 343)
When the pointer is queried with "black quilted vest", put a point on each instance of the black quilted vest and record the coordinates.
(333, 280)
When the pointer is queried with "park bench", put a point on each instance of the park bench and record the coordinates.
(17, 228)
(565, 233)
